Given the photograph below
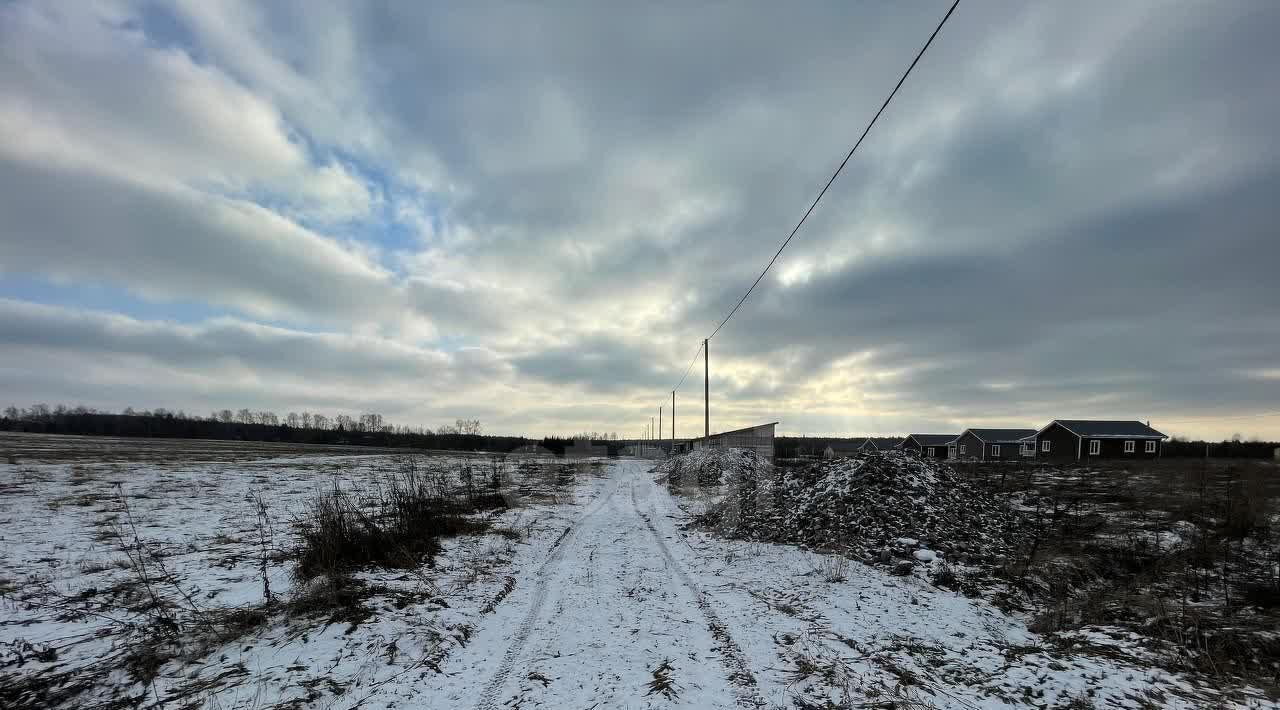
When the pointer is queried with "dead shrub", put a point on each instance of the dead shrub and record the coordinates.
(398, 523)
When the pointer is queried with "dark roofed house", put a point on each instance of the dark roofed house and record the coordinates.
(994, 444)
(932, 446)
(881, 443)
(1087, 439)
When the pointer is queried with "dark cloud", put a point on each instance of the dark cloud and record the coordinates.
(1068, 210)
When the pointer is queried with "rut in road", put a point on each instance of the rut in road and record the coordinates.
(746, 689)
(488, 699)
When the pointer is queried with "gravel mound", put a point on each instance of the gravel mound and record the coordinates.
(711, 467)
(882, 507)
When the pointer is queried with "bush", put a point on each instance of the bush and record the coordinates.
(398, 524)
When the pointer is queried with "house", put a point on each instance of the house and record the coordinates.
(933, 446)
(881, 443)
(757, 438)
(1086, 439)
(993, 444)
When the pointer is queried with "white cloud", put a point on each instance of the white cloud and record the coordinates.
(608, 182)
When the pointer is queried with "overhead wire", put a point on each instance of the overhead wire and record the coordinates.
(839, 169)
(823, 192)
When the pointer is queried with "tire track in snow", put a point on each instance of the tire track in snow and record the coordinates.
(488, 699)
(735, 661)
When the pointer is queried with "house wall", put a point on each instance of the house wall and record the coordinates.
(1008, 452)
(1114, 449)
(911, 446)
(1062, 444)
(973, 447)
(939, 451)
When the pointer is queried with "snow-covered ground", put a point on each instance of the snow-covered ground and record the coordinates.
(602, 600)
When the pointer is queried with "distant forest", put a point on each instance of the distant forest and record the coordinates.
(248, 425)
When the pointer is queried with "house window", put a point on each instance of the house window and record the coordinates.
(1095, 447)
(962, 449)
(1028, 448)
(1044, 446)
(995, 449)
(1151, 447)
(1129, 447)
(931, 452)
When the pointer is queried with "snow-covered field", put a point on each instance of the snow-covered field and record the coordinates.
(586, 595)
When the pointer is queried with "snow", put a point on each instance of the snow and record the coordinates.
(608, 590)
(924, 555)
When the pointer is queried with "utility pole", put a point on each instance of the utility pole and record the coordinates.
(673, 421)
(651, 431)
(659, 424)
(706, 389)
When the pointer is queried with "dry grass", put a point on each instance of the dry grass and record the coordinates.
(1184, 552)
(663, 682)
(396, 524)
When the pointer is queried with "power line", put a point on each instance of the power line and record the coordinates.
(838, 170)
(690, 367)
(823, 192)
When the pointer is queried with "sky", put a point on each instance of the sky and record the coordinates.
(532, 215)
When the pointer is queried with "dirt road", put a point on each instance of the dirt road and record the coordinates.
(609, 619)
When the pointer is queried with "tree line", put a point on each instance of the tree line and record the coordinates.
(367, 429)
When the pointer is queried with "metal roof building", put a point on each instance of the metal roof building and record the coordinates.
(757, 438)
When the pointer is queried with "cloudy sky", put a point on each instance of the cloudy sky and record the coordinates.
(532, 216)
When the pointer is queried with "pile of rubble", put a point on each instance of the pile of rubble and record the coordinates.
(884, 508)
(711, 467)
